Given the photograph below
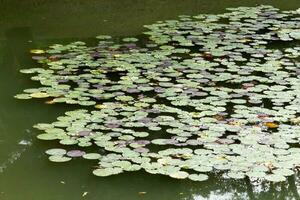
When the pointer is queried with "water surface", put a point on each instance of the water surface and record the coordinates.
(25, 172)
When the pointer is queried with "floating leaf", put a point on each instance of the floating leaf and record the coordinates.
(91, 156)
(75, 153)
(37, 51)
(57, 152)
(59, 158)
(198, 177)
(179, 175)
(39, 95)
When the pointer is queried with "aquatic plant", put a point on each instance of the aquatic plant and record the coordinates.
(193, 96)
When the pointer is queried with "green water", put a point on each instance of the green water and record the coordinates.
(25, 172)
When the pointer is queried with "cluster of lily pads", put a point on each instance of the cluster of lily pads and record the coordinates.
(202, 94)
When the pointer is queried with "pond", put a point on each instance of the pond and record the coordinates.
(25, 171)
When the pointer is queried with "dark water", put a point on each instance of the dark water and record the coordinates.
(25, 172)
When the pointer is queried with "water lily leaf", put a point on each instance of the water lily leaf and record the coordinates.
(107, 171)
(103, 37)
(56, 151)
(47, 136)
(275, 178)
(198, 177)
(179, 175)
(37, 51)
(39, 95)
(75, 153)
(59, 158)
(91, 156)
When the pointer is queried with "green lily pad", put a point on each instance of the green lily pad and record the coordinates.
(198, 177)
(57, 152)
(179, 175)
(59, 158)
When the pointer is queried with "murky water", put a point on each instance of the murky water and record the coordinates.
(25, 172)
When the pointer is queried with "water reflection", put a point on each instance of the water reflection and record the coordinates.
(223, 189)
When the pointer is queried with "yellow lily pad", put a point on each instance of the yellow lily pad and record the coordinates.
(100, 106)
(271, 125)
(39, 95)
(37, 51)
